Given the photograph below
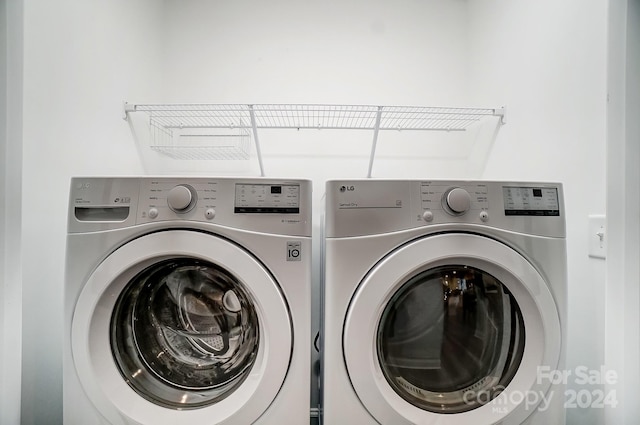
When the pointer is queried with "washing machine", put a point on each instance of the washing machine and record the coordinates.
(187, 301)
(444, 303)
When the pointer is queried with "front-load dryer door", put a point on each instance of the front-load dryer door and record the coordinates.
(451, 329)
(181, 327)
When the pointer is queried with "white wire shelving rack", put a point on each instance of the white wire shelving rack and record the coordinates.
(225, 131)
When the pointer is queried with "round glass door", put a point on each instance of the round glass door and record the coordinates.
(184, 333)
(181, 326)
(447, 331)
(446, 328)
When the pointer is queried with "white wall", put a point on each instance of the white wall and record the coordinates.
(288, 51)
(545, 60)
(10, 209)
(623, 208)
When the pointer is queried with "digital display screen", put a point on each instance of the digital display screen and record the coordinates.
(267, 198)
(537, 201)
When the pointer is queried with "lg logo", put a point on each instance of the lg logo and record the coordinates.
(347, 188)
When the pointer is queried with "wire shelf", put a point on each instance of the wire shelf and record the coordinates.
(300, 116)
(202, 142)
(225, 131)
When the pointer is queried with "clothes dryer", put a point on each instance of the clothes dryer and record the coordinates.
(187, 300)
(444, 303)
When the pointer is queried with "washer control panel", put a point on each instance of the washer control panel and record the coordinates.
(182, 198)
(258, 204)
(536, 201)
(166, 198)
(457, 201)
(253, 198)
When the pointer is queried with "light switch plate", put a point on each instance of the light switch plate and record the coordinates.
(597, 236)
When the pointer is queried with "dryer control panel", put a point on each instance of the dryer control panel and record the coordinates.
(454, 199)
(369, 207)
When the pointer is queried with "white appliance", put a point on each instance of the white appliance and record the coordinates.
(187, 301)
(444, 303)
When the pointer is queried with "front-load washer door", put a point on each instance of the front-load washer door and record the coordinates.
(451, 329)
(181, 327)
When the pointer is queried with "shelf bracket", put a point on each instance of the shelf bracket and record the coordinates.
(376, 131)
(254, 127)
(126, 108)
(502, 113)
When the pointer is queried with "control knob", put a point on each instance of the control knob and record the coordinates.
(181, 198)
(457, 201)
